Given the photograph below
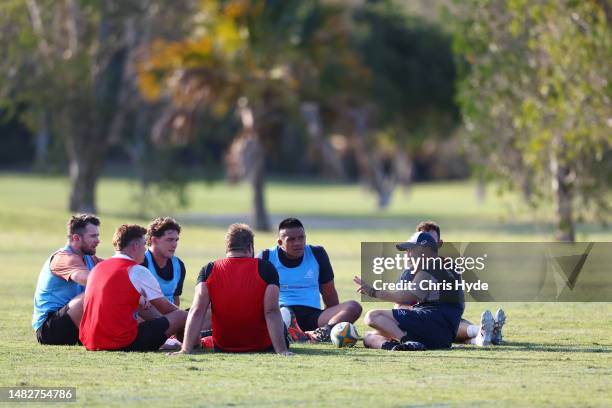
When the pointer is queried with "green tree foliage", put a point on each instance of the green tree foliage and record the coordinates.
(64, 63)
(411, 88)
(69, 62)
(535, 98)
(412, 71)
(362, 70)
(244, 55)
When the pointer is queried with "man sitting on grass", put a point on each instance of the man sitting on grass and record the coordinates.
(162, 239)
(243, 291)
(433, 321)
(58, 300)
(490, 329)
(113, 297)
(306, 276)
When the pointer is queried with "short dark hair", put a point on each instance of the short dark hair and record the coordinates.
(160, 225)
(77, 223)
(425, 226)
(239, 237)
(290, 223)
(125, 234)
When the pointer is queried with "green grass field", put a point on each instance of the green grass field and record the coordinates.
(555, 355)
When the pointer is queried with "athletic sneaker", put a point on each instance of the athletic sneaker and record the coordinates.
(409, 346)
(486, 329)
(321, 334)
(294, 333)
(171, 344)
(500, 320)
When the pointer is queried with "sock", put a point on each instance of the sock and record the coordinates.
(405, 339)
(388, 345)
(473, 330)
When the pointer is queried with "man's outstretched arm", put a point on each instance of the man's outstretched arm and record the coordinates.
(395, 296)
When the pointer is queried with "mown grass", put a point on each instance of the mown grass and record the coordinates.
(557, 354)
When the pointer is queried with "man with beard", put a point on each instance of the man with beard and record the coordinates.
(58, 300)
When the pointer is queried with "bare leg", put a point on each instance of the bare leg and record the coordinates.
(207, 324)
(462, 332)
(400, 306)
(177, 321)
(348, 311)
(75, 309)
(384, 322)
(375, 340)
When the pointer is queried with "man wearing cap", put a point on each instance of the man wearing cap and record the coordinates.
(433, 321)
(490, 329)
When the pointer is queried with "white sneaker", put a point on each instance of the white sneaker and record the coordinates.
(500, 320)
(486, 329)
(171, 344)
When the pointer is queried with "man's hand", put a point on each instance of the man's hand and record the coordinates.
(146, 305)
(364, 288)
(177, 353)
(144, 302)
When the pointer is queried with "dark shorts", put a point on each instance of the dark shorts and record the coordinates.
(151, 335)
(433, 327)
(58, 328)
(307, 317)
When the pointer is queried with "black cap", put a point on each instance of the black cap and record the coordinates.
(419, 239)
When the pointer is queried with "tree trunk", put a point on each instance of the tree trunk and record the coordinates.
(260, 215)
(90, 127)
(481, 189)
(85, 167)
(42, 142)
(403, 168)
(563, 193)
(331, 161)
(253, 158)
(371, 167)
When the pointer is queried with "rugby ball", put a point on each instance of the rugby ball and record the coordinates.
(344, 335)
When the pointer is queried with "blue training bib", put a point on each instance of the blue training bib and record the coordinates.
(168, 287)
(53, 292)
(299, 285)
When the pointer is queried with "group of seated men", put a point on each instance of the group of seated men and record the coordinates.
(242, 303)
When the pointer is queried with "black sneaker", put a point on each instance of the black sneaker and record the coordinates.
(321, 334)
(409, 346)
